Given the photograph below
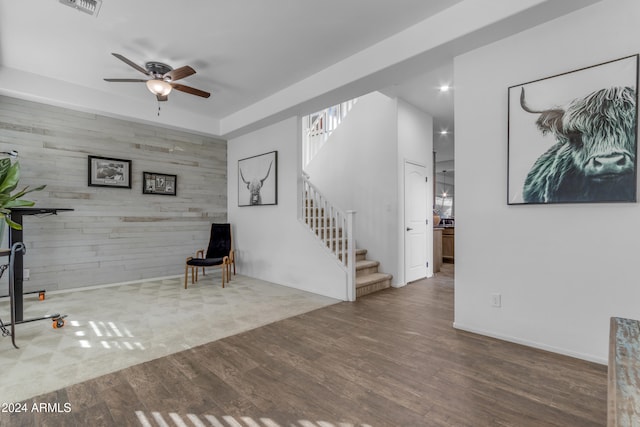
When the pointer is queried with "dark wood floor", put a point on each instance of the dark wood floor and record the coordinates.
(390, 359)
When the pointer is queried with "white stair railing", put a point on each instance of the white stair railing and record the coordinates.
(333, 227)
(318, 127)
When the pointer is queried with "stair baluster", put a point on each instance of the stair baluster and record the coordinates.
(333, 227)
(316, 132)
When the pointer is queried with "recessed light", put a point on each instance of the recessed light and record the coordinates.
(445, 88)
(444, 132)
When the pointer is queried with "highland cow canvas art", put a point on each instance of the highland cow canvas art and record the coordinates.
(572, 137)
(258, 180)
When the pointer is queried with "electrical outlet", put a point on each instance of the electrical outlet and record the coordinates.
(496, 300)
(25, 274)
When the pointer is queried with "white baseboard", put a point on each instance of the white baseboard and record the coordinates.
(552, 349)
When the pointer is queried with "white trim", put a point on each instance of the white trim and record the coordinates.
(428, 236)
(563, 351)
(413, 162)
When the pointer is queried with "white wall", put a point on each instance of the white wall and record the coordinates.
(356, 169)
(270, 243)
(415, 144)
(562, 270)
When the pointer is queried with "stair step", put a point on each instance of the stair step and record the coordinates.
(372, 278)
(366, 267)
(366, 263)
(372, 283)
(361, 254)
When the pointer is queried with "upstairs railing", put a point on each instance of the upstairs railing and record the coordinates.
(317, 128)
(333, 227)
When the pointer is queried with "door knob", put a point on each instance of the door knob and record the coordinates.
(409, 228)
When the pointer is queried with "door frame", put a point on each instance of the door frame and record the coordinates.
(429, 219)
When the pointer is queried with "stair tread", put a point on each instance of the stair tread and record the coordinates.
(366, 263)
(371, 278)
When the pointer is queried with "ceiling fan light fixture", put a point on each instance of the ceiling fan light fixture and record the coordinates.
(92, 7)
(162, 78)
(159, 87)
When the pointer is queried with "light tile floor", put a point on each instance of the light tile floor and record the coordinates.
(111, 328)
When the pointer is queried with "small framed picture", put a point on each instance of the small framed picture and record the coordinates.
(108, 172)
(159, 183)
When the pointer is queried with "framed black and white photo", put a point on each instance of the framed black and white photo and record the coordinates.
(258, 180)
(108, 172)
(159, 183)
(572, 137)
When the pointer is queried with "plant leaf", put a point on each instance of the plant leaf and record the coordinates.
(12, 224)
(24, 191)
(18, 204)
(9, 177)
(5, 164)
(10, 181)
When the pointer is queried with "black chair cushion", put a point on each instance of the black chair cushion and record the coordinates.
(220, 241)
(204, 262)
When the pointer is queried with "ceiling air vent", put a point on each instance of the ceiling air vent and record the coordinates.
(92, 7)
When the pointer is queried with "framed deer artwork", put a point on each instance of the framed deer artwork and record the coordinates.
(258, 180)
(572, 137)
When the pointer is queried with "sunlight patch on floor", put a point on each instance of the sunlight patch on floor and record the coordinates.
(106, 330)
(175, 419)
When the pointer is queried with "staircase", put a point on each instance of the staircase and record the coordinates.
(331, 225)
(334, 229)
(368, 278)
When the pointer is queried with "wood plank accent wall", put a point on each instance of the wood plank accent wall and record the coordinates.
(114, 235)
(623, 393)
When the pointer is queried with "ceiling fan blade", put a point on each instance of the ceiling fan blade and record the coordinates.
(180, 73)
(191, 90)
(130, 63)
(125, 80)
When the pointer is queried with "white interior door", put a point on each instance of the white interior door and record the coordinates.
(415, 214)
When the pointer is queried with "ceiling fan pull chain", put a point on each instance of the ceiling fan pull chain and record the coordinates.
(158, 108)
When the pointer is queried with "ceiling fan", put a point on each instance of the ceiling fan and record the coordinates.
(162, 78)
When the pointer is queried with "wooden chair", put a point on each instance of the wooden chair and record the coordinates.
(219, 254)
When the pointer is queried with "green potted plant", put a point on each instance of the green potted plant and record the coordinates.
(9, 177)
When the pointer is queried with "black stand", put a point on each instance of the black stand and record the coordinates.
(16, 275)
(58, 320)
(16, 236)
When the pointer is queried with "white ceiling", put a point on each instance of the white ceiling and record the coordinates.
(248, 52)
(424, 92)
(242, 51)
